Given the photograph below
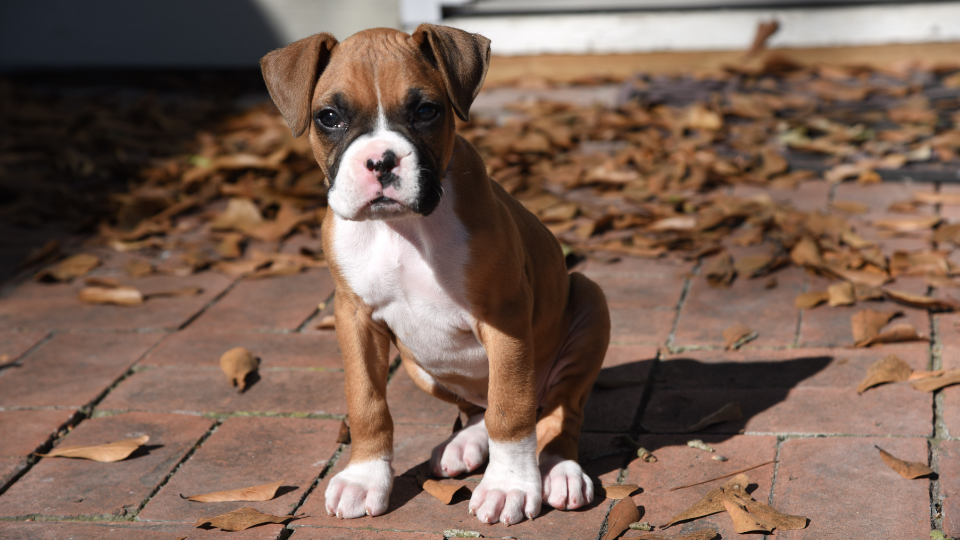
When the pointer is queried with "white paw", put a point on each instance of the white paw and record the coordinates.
(463, 451)
(565, 485)
(511, 487)
(362, 489)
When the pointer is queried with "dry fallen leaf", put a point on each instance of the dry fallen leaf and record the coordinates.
(720, 271)
(183, 291)
(137, 268)
(237, 363)
(121, 296)
(932, 384)
(242, 519)
(711, 503)
(811, 299)
(263, 492)
(727, 413)
(885, 370)
(621, 516)
(104, 453)
(806, 253)
(906, 469)
(241, 215)
(917, 300)
(907, 224)
(619, 491)
(738, 335)
(703, 534)
(895, 334)
(752, 265)
(841, 294)
(69, 268)
(764, 31)
(328, 322)
(442, 492)
(850, 207)
(721, 477)
(343, 436)
(866, 324)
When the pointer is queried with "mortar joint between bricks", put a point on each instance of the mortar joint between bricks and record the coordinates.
(316, 481)
(196, 446)
(684, 292)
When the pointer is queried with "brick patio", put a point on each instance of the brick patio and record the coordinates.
(93, 374)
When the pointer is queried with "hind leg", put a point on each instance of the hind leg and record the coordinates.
(565, 485)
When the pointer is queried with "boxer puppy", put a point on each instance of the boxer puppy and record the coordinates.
(429, 253)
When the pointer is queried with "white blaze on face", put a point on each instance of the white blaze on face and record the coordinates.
(356, 186)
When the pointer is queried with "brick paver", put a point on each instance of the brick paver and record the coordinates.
(125, 530)
(71, 370)
(281, 303)
(846, 491)
(247, 452)
(73, 488)
(55, 306)
(195, 347)
(208, 390)
(103, 373)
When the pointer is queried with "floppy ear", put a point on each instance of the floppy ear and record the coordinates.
(291, 73)
(461, 57)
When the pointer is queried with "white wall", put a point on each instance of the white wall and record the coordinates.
(716, 29)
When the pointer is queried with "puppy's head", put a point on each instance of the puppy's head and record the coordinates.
(379, 108)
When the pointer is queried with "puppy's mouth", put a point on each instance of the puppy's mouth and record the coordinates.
(381, 200)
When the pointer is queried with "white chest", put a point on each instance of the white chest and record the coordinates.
(411, 273)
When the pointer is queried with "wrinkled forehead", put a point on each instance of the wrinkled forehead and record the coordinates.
(386, 72)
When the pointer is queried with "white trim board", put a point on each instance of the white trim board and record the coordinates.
(715, 29)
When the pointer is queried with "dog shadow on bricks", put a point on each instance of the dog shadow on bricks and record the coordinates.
(643, 398)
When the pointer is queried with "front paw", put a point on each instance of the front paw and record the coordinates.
(511, 487)
(565, 485)
(360, 489)
(463, 451)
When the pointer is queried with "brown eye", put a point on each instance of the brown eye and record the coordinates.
(330, 119)
(427, 112)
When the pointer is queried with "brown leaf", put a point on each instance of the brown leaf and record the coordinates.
(737, 335)
(857, 277)
(229, 246)
(727, 413)
(620, 491)
(917, 300)
(442, 492)
(932, 384)
(866, 323)
(104, 453)
(806, 253)
(287, 219)
(743, 521)
(102, 281)
(907, 224)
(752, 265)
(764, 31)
(811, 299)
(241, 214)
(121, 296)
(237, 363)
(621, 516)
(841, 294)
(328, 322)
(721, 477)
(343, 436)
(920, 375)
(243, 519)
(182, 291)
(263, 492)
(711, 503)
(703, 534)
(850, 207)
(906, 469)
(885, 370)
(137, 268)
(69, 268)
(895, 334)
(720, 271)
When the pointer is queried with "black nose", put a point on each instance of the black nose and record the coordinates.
(384, 168)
